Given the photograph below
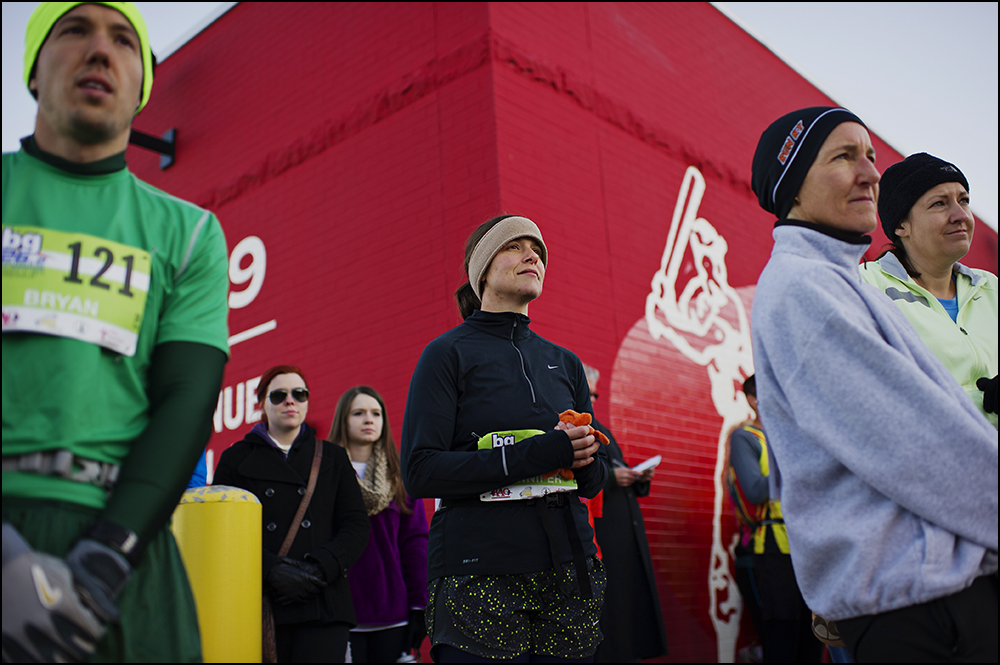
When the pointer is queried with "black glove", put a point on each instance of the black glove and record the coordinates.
(99, 572)
(292, 581)
(416, 629)
(44, 618)
(989, 388)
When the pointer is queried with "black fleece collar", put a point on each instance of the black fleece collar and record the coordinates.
(844, 236)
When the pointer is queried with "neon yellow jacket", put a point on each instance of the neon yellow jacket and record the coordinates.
(968, 347)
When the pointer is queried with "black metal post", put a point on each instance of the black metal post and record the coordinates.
(165, 146)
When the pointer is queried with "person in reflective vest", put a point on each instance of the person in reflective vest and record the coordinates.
(780, 615)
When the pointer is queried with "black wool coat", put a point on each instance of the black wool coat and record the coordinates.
(631, 620)
(334, 530)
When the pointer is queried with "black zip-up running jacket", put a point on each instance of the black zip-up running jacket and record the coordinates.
(489, 374)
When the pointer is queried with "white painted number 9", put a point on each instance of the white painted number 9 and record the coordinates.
(253, 247)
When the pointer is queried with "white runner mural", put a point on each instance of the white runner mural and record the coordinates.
(690, 316)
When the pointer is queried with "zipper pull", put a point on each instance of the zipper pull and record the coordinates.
(963, 331)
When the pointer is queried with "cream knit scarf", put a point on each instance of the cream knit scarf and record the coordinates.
(375, 486)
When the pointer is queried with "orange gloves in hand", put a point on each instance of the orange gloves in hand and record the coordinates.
(575, 419)
(571, 417)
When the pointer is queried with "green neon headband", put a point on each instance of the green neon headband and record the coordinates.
(46, 15)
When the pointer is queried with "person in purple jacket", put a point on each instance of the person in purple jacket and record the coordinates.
(389, 581)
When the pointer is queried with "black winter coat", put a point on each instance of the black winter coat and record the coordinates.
(334, 530)
(632, 620)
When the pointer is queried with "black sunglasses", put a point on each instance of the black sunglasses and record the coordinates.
(298, 394)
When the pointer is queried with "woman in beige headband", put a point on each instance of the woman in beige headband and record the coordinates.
(512, 565)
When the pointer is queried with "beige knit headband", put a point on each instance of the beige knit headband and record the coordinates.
(495, 239)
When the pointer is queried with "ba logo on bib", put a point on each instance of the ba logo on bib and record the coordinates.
(527, 488)
(500, 440)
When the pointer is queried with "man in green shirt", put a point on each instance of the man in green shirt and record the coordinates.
(114, 341)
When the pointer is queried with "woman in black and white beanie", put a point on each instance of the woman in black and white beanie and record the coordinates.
(886, 472)
(924, 211)
(785, 154)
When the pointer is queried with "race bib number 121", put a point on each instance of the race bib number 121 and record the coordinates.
(74, 285)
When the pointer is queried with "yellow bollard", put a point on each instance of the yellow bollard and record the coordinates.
(217, 529)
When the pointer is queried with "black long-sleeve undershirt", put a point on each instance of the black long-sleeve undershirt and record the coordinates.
(184, 381)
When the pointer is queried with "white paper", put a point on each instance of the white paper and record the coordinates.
(651, 463)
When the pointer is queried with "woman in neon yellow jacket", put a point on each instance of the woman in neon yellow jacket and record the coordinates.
(924, 209)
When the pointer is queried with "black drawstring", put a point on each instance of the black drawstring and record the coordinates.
(579, 558)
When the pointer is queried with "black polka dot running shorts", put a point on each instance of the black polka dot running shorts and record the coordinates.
(505, 616)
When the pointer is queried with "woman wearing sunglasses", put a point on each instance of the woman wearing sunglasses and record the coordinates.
(308, 588)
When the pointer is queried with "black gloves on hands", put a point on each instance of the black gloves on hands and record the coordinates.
(416, 629)
(989, 388)
(99, 573)
(292, 581)
(54, 610)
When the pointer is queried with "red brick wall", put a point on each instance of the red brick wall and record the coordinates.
(358, 143)
(362, 143)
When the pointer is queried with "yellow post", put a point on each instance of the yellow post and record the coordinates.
(218, 532)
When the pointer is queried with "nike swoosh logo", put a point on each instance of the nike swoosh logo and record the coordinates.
(48, 596)
(553, 366)
(976, 297)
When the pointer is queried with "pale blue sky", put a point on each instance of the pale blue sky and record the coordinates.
(923, 76)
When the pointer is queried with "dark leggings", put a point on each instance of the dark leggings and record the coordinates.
(379, 646)
(311, 642)
(787, 634)
(445, 653)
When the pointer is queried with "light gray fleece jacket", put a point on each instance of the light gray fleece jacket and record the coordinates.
(888, 473)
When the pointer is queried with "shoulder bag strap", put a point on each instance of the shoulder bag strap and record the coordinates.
(301, 512)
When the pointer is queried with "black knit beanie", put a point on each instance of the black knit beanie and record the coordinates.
(787, 150)
(906, 181)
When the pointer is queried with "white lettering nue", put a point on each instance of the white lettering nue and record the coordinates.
(62, 301)
(230, 412)
(500, 441)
